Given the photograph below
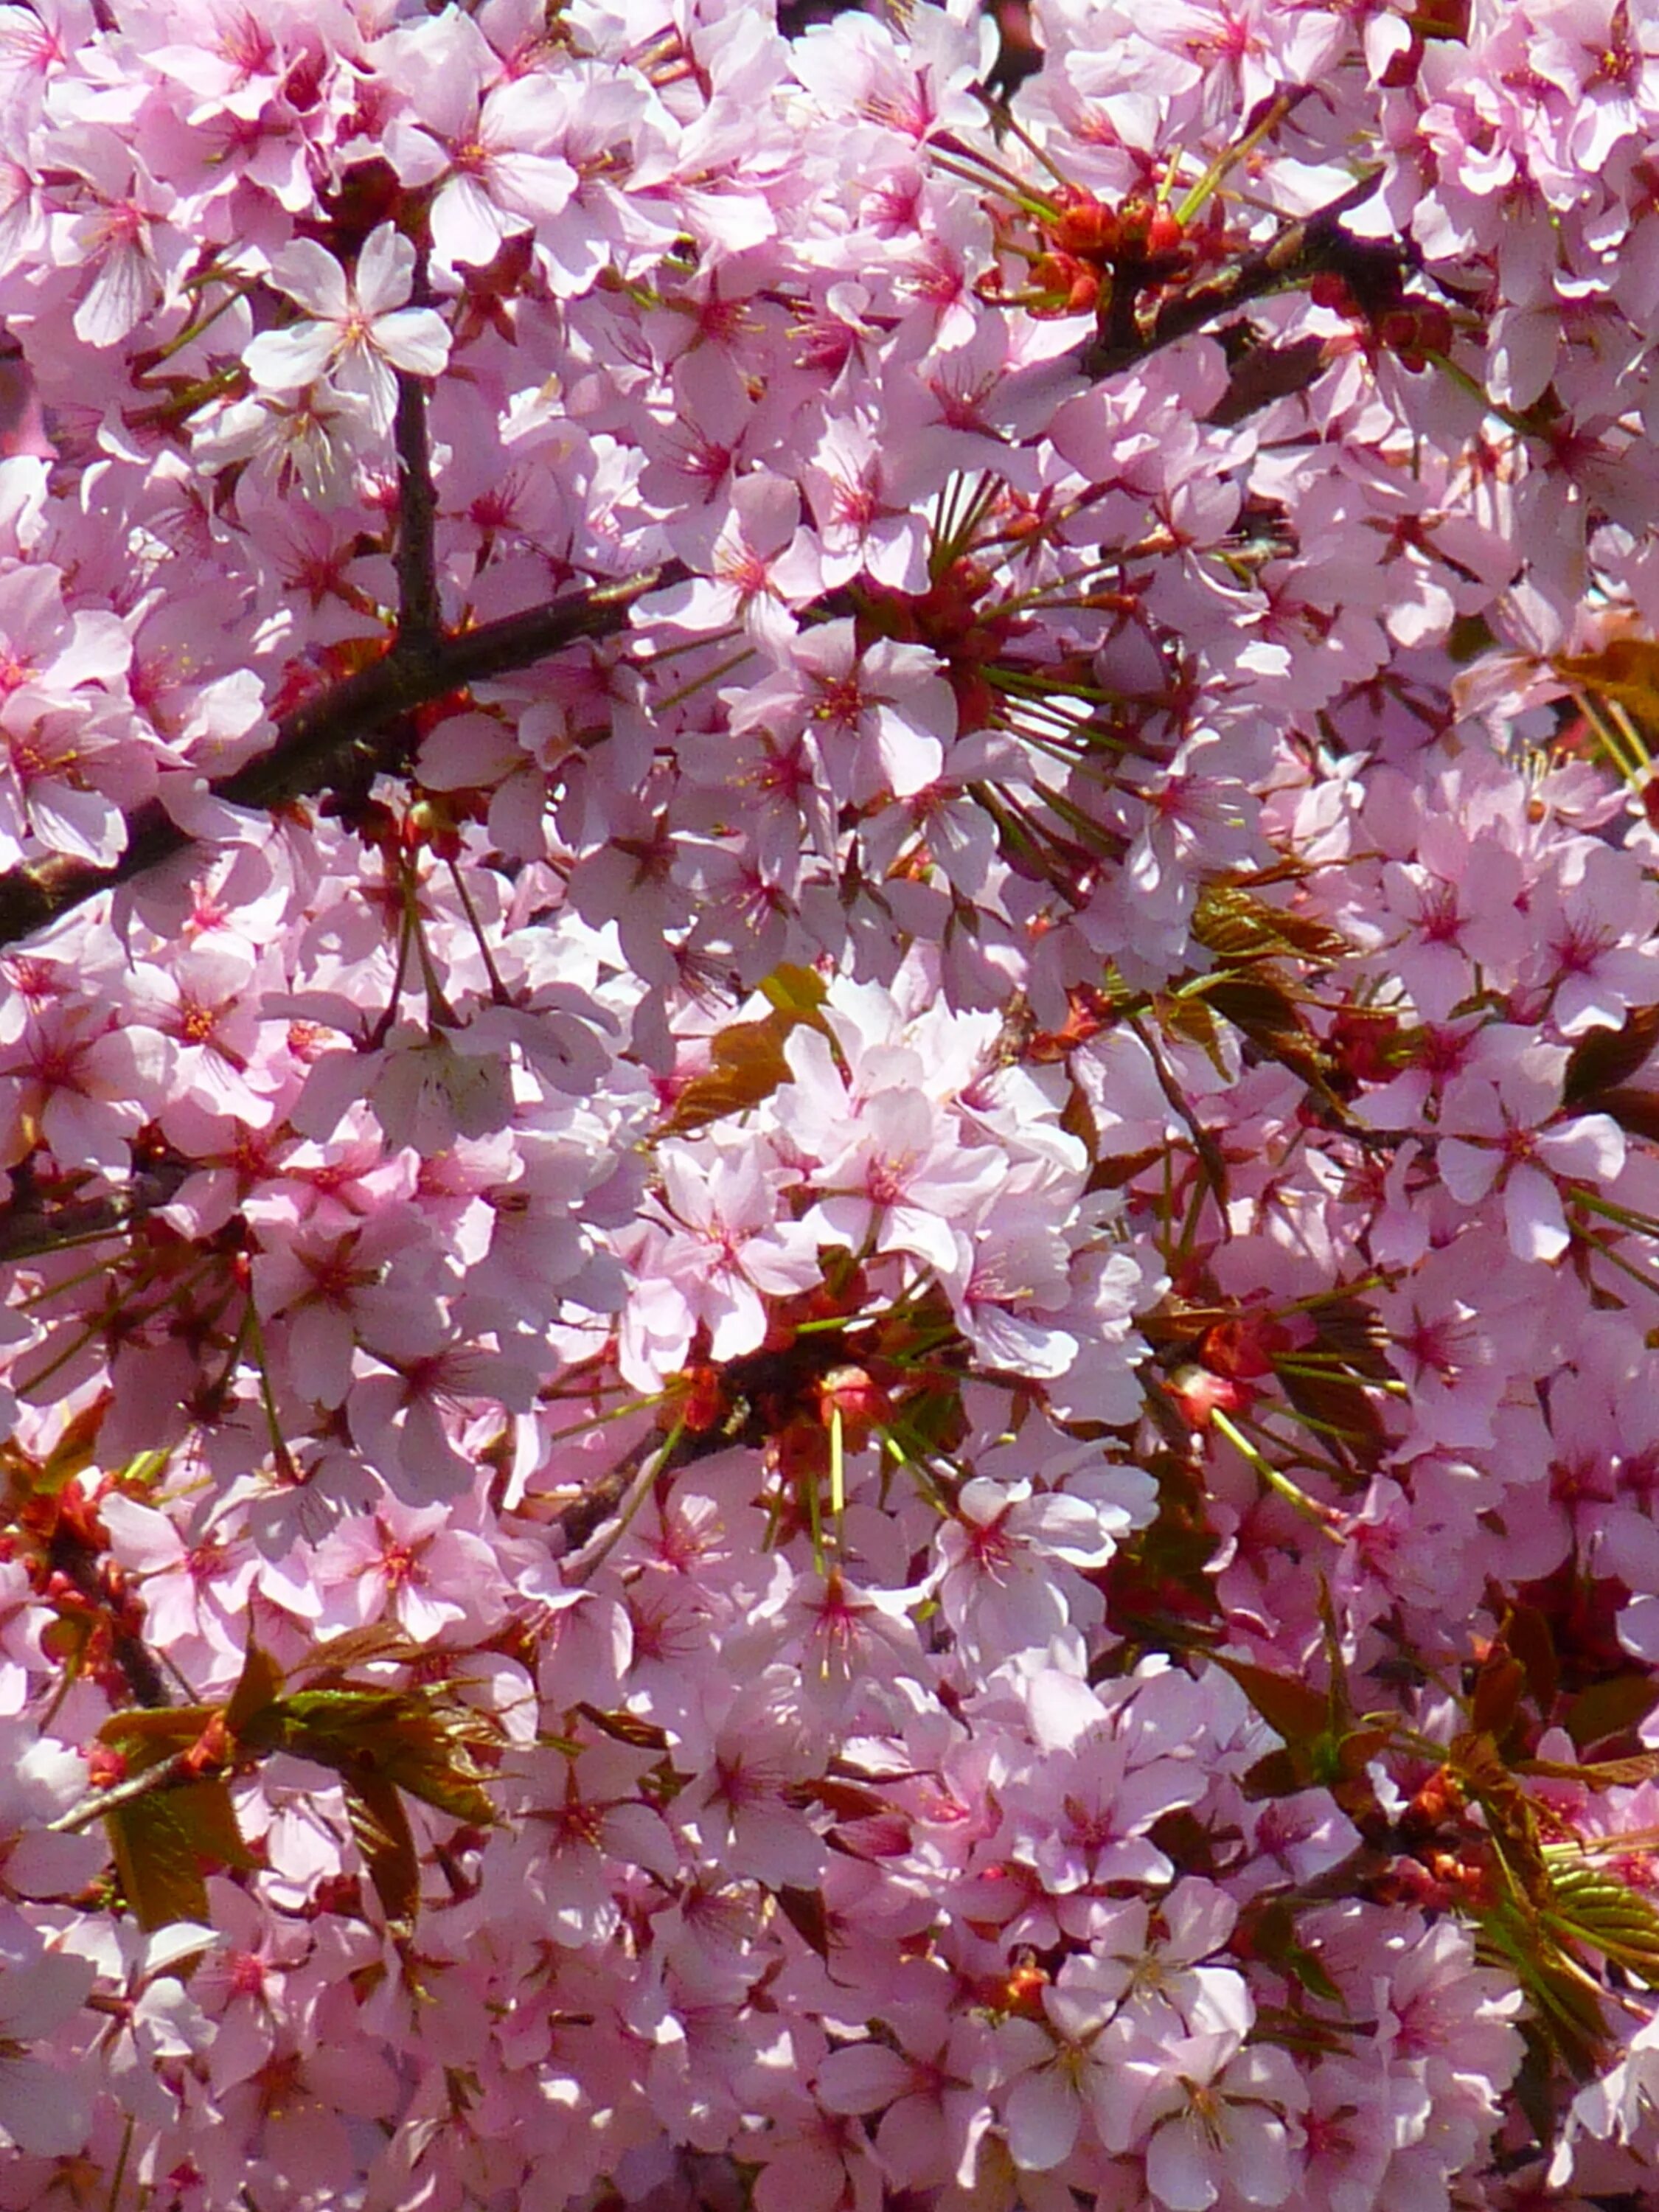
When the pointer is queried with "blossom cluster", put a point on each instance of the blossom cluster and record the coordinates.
(828, 1294)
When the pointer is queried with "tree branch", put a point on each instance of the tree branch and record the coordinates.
(1318, 241)
(28, 1228)
(352, 726)
(419, 622)
(420, 615)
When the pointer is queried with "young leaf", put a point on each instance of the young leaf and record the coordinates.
(163, 1841)
(1610, 1707)
(1293, 1709)
(257, 1688)
(1603, 1059)
(380, 1829)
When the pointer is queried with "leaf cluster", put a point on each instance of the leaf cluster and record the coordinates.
(173, 1818)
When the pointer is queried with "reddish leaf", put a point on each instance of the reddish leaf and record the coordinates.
(1604, 1059)
(1291, 1708)
(1608, 1708)
(805, 1911)
(1498, 1688)
(1636, 1112)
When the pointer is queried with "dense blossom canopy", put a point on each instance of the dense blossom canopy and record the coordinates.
(829, 1275)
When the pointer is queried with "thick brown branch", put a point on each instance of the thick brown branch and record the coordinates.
(419, 622)
(353, 726)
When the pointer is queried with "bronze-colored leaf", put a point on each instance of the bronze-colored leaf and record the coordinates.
(382, 1641)
(1237, 926)
(148, 1736)
(805, 1911)
(746, 1060)
(1116, 1169)
(1193, 1020)
(1271, 1020)
(1355, 1333)
(1293, 1709)
(643, 1736)
(256, 1687)
(380, 1829)
(1267, 372)
(1279, 1773)
(1599, 1773)
(1498, 1683)
(747, 1066)
(1608, 1708)
(1273, 1936)
(1625, 669)
(1337, 1406)
(1528, 1634)
(1635, 1111)
(1603, 1060)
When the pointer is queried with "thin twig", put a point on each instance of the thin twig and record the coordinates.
(28, 1228)
(420, 618)
(173, 1773)
(354, 724)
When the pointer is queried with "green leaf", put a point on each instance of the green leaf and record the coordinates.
(1625, 669)
(163, 1843)
(798, 991)
(1592, 1906)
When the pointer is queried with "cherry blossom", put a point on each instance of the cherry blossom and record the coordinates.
(828, 868)
(359, 330)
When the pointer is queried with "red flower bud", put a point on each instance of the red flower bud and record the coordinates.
(1090, 227)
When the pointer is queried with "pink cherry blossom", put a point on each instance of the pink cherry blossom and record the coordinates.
(359, 330)
(828, 1148)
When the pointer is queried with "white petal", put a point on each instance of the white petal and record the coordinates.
(386, 271)
(414, 339)
(309, 274)
(287, 361)
(119, 297)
